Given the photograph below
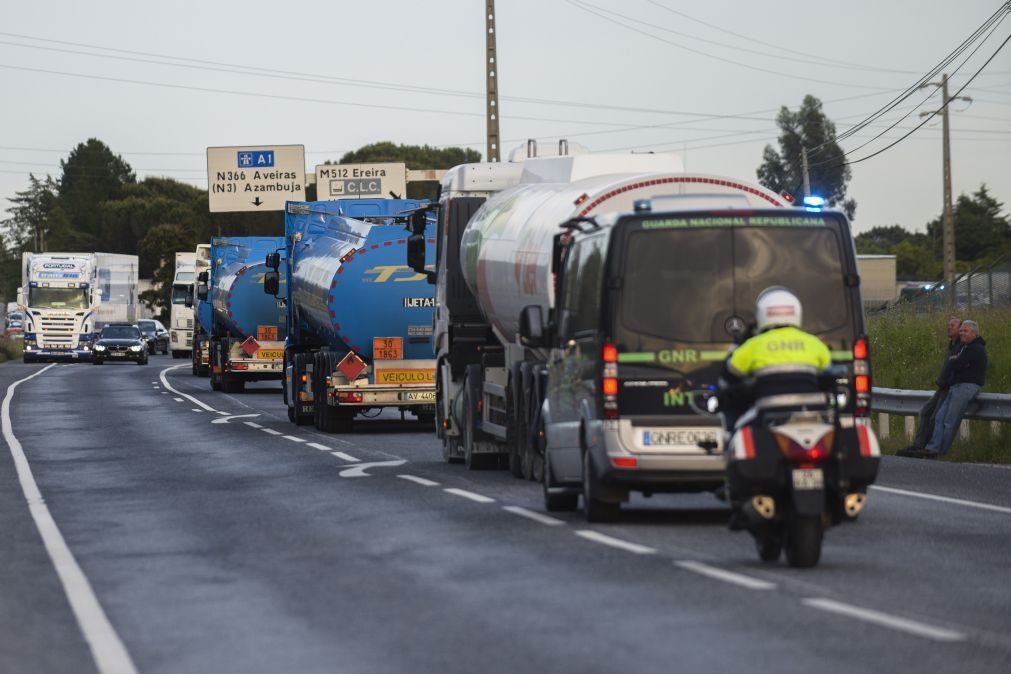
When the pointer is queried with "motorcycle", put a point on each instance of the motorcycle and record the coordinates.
(797, 464)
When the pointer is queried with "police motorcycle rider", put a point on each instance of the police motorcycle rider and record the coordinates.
(780, 359)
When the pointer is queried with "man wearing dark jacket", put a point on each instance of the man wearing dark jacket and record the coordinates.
(927, 412)
(968, 374)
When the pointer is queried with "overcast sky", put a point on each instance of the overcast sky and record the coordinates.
(160, 82)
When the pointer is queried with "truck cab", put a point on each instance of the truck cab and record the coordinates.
(650, 304)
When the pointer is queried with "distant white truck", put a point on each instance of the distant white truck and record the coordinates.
(67, 297)
(181, 316)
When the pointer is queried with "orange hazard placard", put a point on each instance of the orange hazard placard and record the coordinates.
(266, 333)
(387, 348)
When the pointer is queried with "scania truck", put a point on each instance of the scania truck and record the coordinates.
(181, 315)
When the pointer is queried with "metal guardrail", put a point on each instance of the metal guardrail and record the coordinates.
(986, 406)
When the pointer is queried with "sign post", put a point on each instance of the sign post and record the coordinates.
(255, 178)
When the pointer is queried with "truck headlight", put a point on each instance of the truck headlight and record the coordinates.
(137, 348)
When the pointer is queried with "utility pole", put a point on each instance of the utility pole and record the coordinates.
(491, 69)
(807, 178)
(948, 217)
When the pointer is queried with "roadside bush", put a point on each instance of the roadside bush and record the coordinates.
(10, 349)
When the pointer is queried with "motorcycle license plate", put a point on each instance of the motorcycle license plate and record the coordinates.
(808, 478)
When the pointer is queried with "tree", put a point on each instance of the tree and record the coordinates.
(160, 244)
(783, 171)
(982, 233)
(880, 240)
(91, 174)
(29, 221)
(415, 157)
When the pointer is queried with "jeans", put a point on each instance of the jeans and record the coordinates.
(949, 416)
(925, 430)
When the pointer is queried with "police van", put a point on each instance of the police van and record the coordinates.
(648, 305)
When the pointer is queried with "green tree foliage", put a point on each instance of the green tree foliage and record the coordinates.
(782, 171)
(415, 157)
(982, 233)
(91, 174)
(159, 246)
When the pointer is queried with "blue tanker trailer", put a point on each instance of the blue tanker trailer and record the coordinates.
(361, 321)
(247, 328)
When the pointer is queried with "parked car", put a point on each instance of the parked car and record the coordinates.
(120, 341)
(155, 334)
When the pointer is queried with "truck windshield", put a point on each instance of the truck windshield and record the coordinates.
(58, 298)
(683, 283)
(184, 277)
(179, 294)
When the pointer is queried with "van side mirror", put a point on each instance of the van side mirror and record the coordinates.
(271, 283)
(202, 291)
(188, 300)
(416, 255)
(532, 331)
(273, 261)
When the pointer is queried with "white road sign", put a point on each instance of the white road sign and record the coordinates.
(255, 177)
(358, 181)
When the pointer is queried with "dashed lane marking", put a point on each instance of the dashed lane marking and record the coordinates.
(469, 494)
(107, 649)
(252, 424)
(178, 400)
(419, 480)
(197, 410)
(271, 431)
(943, 499)
(604, 539)
(726, 576)
(344, 457)
(293, 438)
(316, 445)
(534, 515)
(913, 627)
(164, 381)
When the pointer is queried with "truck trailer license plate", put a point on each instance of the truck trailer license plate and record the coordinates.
(418, 395)
(807, 479)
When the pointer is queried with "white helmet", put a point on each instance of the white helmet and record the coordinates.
(777, 307)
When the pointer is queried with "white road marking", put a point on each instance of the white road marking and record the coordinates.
(359, 470)
(178, 400)
(164, 393)
(533, 515)
(598, 537)
(344, 457)
(469, 494)
(164, 381)
(293, 438)
(106, 647)
(271, 431)
(228, 417)
(225, 414)
(886, 620)
(726, 576)
(419, 480)
(251, 424)
(196, 410)
(322, 448)
(944, 499)
(155, 383)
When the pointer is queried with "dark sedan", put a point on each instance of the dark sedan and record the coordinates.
(120, 341)
(155, 334)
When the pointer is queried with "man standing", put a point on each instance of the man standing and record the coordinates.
(968, 374)
(927, 412)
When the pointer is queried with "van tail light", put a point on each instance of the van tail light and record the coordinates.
(862, 377)
(609, 380)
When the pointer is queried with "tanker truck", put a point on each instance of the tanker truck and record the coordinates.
(67, 297)
(246, 340)
(361, 321)
(579, 309)
(202, 312)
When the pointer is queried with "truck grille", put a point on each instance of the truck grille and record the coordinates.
(57, 331)
(189, 323)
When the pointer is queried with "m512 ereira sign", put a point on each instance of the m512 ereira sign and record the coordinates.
(255, 177)
(359, 181)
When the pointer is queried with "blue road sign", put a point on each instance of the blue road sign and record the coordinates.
(255, 158)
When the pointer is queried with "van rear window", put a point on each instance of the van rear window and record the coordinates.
(682, 284)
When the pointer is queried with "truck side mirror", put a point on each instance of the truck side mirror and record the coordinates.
(202, 291)
(188, 300)
(271, 282)
(202, 277)
(418, 222)
(273, 261)
(532, 326)
(416, 256)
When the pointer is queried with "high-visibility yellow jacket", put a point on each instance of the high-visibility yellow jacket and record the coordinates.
(780, 350)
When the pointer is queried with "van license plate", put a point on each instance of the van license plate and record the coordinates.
(807, 479)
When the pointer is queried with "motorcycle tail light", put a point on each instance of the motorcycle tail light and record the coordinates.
(795, 451)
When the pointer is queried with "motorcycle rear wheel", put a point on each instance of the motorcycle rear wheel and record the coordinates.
(803, 540)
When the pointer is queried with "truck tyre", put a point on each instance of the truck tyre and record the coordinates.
(327, 417)
(214, 362)
(517, 443)
(232, 385)
(595, 508)
(298, 370)
(472, 459)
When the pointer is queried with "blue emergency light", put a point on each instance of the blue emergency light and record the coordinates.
(814, 202)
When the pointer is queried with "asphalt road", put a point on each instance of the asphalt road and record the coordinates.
(212, 542)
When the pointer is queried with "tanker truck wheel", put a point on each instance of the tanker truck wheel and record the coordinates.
(215, 362)
(298, 369)
(472, 459)
(517, 447)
